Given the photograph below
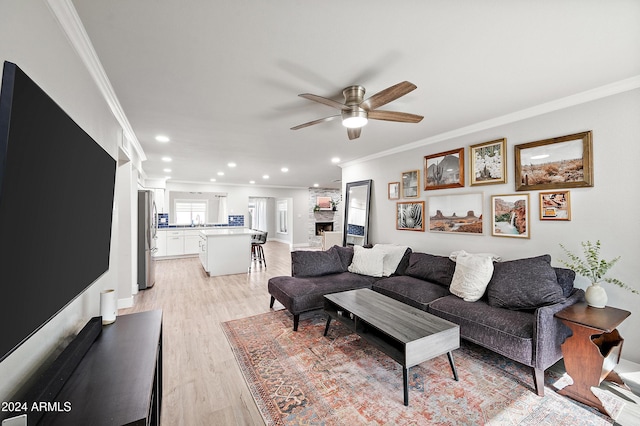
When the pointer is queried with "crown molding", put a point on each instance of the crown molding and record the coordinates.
(615, 88)
(67, 16)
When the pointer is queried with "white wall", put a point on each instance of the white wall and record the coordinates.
(32, 38)
(606, 211)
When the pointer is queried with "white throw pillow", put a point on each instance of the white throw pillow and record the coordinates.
(392, 256)
(367, 262)
(472, 275)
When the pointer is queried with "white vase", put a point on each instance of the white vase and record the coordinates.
(596, 296)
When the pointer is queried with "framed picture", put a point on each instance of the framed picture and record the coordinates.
(564, 162)
(555, 205)
(510, 215)
(488, 162)
(459, 213)
(444, 170)
(394, 190)
(409, 215)
(324, 203)
(411, 184)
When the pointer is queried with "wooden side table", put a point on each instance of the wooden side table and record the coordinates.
(591, 354)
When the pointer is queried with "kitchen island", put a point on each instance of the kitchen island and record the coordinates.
(225, 251)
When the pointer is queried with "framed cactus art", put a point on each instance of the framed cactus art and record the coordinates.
(444, 170)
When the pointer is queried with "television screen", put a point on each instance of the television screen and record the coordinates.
(56, 204)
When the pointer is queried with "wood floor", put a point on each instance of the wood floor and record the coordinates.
(202, 383)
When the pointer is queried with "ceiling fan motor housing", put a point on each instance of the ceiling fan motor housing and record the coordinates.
(354, 116)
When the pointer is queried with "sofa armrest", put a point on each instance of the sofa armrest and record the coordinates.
(549, 332)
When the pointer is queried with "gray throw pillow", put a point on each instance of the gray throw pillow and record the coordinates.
(566, 278)
(315, 263)
(346, 256)
(428, 267)
(524, 284)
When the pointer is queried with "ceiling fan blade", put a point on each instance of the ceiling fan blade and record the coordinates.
(387, 95)
(354, 133)
(325, 101)
(403, 117)
(311, 123)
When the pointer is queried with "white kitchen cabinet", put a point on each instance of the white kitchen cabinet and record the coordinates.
(161, 243)
(159, 200)
(191, 241)
(175, 242)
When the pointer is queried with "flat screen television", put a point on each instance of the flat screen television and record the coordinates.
(56, 205)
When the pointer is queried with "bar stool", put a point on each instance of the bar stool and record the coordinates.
(257, 253)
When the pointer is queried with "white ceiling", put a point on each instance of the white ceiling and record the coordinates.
(221, 78)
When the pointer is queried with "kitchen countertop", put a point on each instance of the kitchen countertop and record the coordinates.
(217, 232)
(197, 228)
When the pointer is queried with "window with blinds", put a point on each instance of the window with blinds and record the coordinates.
(190, 212)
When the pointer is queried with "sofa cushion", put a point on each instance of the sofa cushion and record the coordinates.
(315, 263)
(412, 291)
(346, 256)
(307, 294)
(504, 331)
(471, 276)
(566, 278)
(367, 262)
(428, 267)
(524, 284)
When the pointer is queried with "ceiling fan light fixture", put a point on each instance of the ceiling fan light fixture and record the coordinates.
(354, 119)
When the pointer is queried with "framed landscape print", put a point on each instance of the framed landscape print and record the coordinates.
(460, 213)
(555, 205)
(324, 203)
(488, 162)
(510, 215)
(394, 190)
(564, 162)
(409, 216)
(444, 170)
(411, 184)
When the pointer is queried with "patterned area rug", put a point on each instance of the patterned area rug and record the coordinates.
(304, 378)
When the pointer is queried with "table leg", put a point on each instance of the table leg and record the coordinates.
(326, 328)
(584, 363)
(453, 366)
(405, 380)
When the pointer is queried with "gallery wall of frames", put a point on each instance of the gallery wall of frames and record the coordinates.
(546, 169)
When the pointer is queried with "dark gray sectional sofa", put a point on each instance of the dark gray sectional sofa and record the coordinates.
(514, 318)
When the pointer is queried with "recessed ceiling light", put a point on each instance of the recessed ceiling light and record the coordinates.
(162, 138)
(166, 170)
(265, 176)
(284, 170)
(315, 185)
(231, 164)
(252, 181)
(212, 179)
(335, 160)
(220, 173)
(166, 159)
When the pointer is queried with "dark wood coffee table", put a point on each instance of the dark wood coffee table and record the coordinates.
(406, 334)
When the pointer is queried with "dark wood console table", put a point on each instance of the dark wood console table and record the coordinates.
(119, 380)
(591, 354)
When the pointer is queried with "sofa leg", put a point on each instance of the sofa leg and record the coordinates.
(296, 320)
(538, 379)
(273, 299)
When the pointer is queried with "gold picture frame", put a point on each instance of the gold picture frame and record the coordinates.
(488, 162)
(410, 216)
(562, 162)
(510, 216)
(393, 190)
(411, 184)
(555, 205)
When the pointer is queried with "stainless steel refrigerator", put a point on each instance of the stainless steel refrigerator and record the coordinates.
(147, 230)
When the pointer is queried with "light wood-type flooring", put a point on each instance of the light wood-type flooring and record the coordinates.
(202, 383)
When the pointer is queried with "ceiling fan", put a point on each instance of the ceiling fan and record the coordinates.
(355, 111)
